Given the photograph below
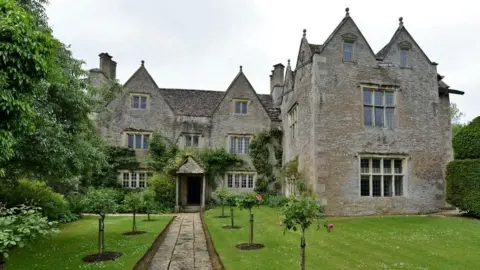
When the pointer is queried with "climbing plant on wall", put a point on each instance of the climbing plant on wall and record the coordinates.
(261, 148)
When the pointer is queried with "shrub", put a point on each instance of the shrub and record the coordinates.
(20, 226)
(35, 193)
(275, 200)
(463, 185)
(75, 203)
(149, 205)
(165, 193)
(466, 143)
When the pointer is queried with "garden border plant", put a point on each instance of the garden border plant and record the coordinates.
(247, 201)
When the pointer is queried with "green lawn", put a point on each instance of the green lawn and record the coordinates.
(75, 240)
(401, 242)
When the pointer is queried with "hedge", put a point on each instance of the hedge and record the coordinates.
(463, 185)
(466, 143)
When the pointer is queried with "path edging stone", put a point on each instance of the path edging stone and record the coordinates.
(146, 259)
(212, 252)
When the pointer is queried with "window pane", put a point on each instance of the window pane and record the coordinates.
(126, 176)
(367, 97)
(364, 166)
(398, 166)
(138, 141)
(230, 181)
(250, 181)
(149, 175)
(398, 185)
(237, 180)
(135, 102)
(347, 51)
(232, 144)
(376, 165)
(247, 145)
(130, 141)
(387, 166)
(389, 99)
(376, 186)
(237, 107)
(403, 58)
(367, 116)
(188, 140)
(244, 107)
(133, 183)
(379, 98)
(365, 185)
(125, 184)
(390, 117)
(195, 141)
(378, 117)
(143, 103)
(244, 180)
(387, 186)
(145, 141)
(240, 145)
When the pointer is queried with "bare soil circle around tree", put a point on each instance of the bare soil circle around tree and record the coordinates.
(134, 233)
(247, 246)
(106, 256)
(232, 227)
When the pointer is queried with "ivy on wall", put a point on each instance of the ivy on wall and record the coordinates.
(260, 151)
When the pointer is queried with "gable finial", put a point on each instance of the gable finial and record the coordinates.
(288, 62)
(347, 13)
(304, 32)
(400, 21)
(143, 63)
(241, 68)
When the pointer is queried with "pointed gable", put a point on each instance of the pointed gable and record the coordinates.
(288, 78)
(241, 88)
(400, 38)
(190, 165)
(348, 30)
(305, 51)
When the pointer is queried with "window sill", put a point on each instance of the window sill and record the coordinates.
(406, 68)
(379, 128)
(241, 114)
(349, 62)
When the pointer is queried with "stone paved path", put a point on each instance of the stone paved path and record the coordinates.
(184, 246)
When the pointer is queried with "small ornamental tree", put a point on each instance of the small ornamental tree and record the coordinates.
(101, 202)
(248, 201)
(134, 202)
(301, 213)
(20, 226)
(149, 204)
(222, 194)
(231, 201)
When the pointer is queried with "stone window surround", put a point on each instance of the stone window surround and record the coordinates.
(404, 46)
(405, 166)
(237, 100)
(184, 139)
(121, 175)
(229, 140)
(133, 94)
(349, 38)
(384, 87)
(240, 188)
(293, 121)
(135, 132)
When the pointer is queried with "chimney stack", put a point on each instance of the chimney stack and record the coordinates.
(108, 66)
(277, 75)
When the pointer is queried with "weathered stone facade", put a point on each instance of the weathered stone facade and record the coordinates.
(329, 133)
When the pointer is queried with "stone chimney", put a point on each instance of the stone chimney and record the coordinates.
(277, 75)
(108, 66)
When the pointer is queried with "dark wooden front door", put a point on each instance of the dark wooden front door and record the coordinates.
(194, 190)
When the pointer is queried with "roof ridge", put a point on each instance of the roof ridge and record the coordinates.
(187, 89)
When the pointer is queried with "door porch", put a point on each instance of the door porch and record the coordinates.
(190, 187)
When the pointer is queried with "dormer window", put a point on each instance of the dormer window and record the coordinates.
(241, 107)
(139, 101)
(348, 51)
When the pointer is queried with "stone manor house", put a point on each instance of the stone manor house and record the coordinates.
(371, 131)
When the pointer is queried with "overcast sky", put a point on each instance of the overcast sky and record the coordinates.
(200, 44)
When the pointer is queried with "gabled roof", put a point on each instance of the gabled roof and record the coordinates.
(315, 47)
(340, 25)
(383, 52)
(192, 102)
(190, 165)
(138, 72)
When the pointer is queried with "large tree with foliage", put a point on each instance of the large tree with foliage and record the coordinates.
(47, 133)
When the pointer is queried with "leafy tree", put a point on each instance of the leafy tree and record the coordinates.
(20, 226)
(164, 189)
(101, 202)
(162, 151)
(455, 114)
(247, 201)
(222, 194)
(134, 202)
(149, 203)
(26, 55)
(301, 213)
